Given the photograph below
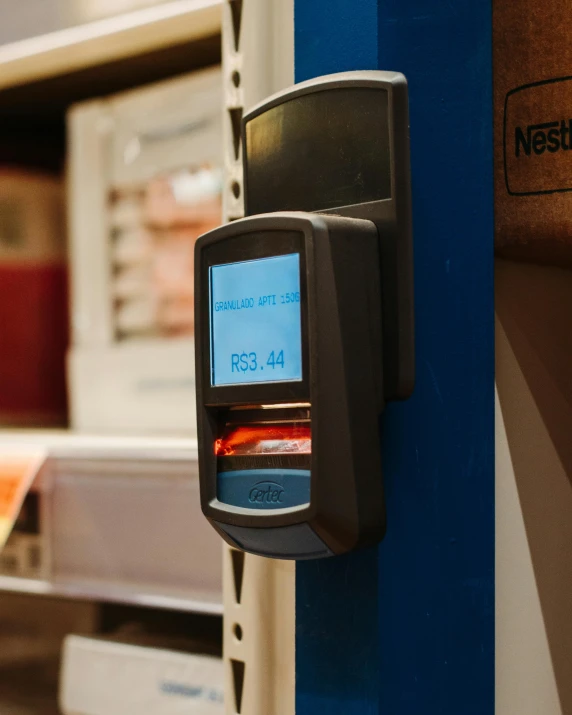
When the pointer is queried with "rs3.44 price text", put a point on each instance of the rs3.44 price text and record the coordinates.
(250, 362)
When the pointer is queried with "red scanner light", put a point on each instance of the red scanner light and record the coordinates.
(293, 438)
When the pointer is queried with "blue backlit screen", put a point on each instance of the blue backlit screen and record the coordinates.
(255, 317)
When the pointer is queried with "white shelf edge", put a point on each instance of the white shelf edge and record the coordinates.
(102, 41)
(109, 593)
(69, 445)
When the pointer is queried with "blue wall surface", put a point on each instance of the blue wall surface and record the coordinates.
(408, 628)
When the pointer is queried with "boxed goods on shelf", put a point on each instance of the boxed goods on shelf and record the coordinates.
(115, 520)
(103, 677)
(23, 554)
(33, 299)
(145, 181)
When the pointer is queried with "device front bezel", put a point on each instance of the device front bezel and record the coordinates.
(211, 399)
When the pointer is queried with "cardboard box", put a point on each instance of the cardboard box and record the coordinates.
(532, 55)
(533, 301)
(107, 678)
(33, 299)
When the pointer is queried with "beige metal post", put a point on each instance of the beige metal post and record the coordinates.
(259, 598)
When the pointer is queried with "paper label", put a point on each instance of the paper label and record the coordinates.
(538, 137)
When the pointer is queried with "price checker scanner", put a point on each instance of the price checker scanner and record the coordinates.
(304, 320)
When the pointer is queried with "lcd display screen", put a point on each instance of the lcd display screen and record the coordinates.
(255, 320)
(319, 151)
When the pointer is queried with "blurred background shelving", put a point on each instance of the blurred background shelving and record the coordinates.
(110, 541)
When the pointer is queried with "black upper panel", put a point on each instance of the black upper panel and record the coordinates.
(290, 164)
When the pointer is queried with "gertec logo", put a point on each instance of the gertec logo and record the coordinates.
(537, 138)
(264, 493)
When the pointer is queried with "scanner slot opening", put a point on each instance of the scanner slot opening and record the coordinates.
(257, 433)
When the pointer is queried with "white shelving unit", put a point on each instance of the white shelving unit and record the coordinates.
(120, 521)
(120, 517)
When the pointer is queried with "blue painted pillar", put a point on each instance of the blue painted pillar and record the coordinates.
(408, 628)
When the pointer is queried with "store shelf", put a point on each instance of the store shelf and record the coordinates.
(65, 444)
(108, 40)
(120, 516)
(120, 521)
(110, 593)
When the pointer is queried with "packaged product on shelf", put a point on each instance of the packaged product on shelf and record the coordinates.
(103, 677)
(154, 228)
(145, 183)
(33, 299)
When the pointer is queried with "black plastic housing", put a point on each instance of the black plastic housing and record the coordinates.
(342, 384)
